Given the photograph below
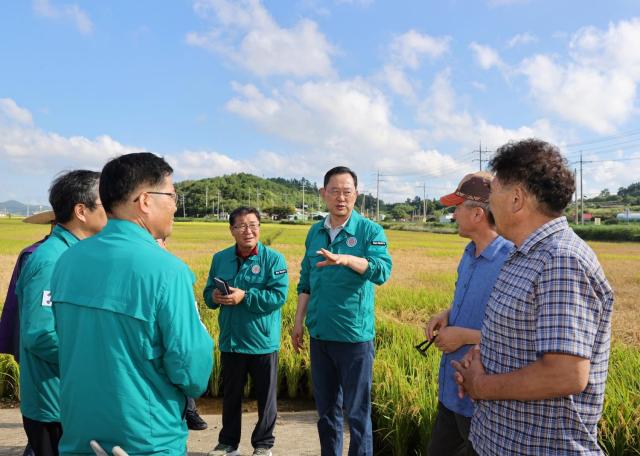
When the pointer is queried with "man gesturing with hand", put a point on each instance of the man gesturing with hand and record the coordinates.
(346, 254)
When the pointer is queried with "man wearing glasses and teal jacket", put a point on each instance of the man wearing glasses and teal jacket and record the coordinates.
(252, 287)
(346, 255)
(132, 346)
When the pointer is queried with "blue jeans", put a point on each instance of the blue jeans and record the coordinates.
(341, 374)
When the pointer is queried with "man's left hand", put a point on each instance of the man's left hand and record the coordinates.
(333, 259)
(232, 299)
(470, 373)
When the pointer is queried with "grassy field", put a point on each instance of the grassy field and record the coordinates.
(405, 384)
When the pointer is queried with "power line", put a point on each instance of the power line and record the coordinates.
(603, 139)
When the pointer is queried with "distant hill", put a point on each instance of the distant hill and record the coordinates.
(201, 196)
(224, 193)
(17, 208)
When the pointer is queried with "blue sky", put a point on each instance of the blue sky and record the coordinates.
(292, 88)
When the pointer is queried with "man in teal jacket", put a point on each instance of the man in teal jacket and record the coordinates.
(132, 346)
(79, 213)
(346, 254)
(249, 328)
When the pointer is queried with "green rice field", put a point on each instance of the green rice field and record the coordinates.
(422, 283)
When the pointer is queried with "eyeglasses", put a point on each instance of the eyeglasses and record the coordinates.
(245, 227)
(335, 193)
(423, 346)
(173, 195)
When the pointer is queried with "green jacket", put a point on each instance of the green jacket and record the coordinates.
(253, 326)
(132, 346)
(340, 305)
(39, 373)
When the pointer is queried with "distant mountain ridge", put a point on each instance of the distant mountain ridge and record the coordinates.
(14, 207)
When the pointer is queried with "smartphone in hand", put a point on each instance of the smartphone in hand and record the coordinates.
(222, 286)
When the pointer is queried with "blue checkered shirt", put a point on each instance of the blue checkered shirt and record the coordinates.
(551, 297)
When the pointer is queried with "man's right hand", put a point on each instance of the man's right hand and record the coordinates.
(437, 322)
(297, 337)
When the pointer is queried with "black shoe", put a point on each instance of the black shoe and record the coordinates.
(195, 422)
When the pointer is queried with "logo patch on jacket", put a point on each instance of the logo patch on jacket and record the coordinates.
(46, 298)
(255, 269)
(281, 271)
(351, 242)
(378, 243)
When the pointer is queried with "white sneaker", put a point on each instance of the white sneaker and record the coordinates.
(262, 452)
(224, 450)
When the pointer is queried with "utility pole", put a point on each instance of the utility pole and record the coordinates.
(303, 187)
(206, 198)
(575, 194)
(363, 205)
(480, 160)
(581, 194)
(218, 204)
(184, 208)
(258, 198)
(378, 197)
(424, 201)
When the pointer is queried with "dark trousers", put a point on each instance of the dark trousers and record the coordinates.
(341, 374)
(264, 373)
(450, 434)
(43, 437)
(191, 404)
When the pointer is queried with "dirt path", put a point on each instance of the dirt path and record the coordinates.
(295, 433)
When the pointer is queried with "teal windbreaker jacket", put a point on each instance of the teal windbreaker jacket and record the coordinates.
(341, 301)
(253, 326)
(132, 346)
(39, 374)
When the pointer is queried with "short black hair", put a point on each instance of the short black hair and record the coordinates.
(124, 174)
(241, 212)
(540, 168)
(75, 187)
(340, 170)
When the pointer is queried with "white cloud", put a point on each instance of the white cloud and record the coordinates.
(616, 48)
(486, 56)
(33, 151)
(521, 39)
(197, 164)
(245, 33)
(408, 49)
(592, 97)
(596, 87)
(609, 174)
(397, 80)
(72, 13)
(447, 122)
(14, 113)
(346, 122)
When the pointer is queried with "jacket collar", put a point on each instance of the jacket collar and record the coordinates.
(128, 229)
(350, 226)
(64, 234)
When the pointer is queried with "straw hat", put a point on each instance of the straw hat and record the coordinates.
(41, 218)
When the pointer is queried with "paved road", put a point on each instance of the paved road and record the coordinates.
(295, 433)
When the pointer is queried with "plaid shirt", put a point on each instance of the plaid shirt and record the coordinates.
(551, 297)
